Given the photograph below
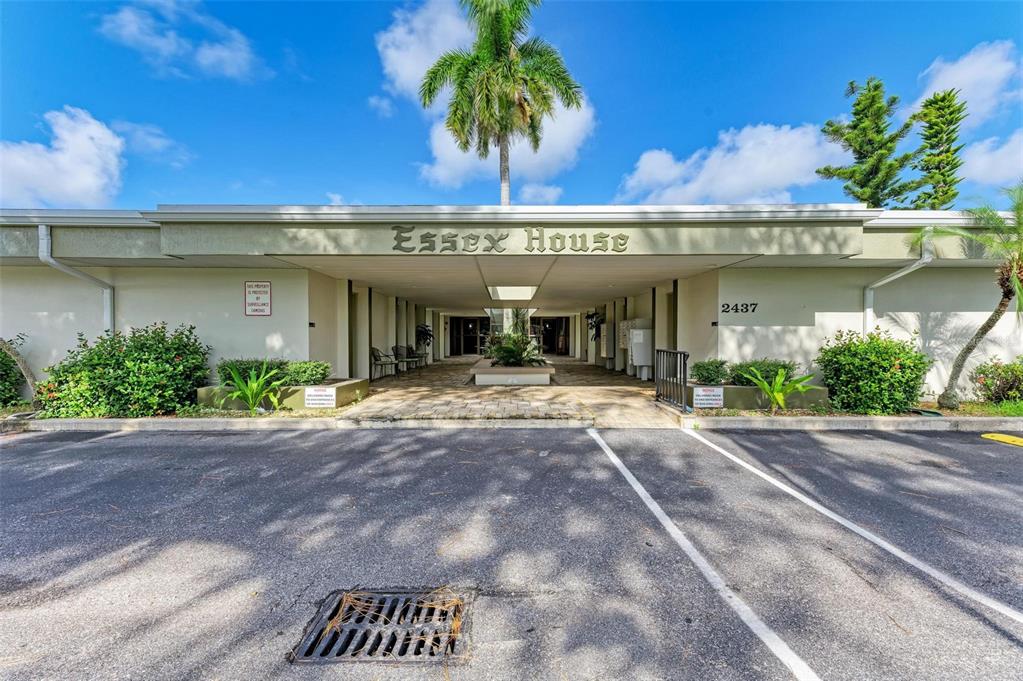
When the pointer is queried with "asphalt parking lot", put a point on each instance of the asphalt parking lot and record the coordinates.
(168, 556)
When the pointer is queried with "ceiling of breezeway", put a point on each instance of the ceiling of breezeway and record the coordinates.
(567, 282)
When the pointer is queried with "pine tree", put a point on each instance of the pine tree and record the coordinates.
(874, 175)
(941, 114)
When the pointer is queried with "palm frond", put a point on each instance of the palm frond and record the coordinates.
(442, 73)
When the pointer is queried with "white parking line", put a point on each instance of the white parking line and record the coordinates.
(774, 642)
(943, 577)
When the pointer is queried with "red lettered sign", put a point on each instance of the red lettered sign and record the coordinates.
(257, 299)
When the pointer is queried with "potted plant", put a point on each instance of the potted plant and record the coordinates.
(424, 336)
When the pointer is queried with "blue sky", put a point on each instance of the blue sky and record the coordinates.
(132, 104)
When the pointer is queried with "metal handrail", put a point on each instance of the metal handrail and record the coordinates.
(671, 369)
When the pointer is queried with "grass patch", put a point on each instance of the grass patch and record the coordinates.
(1007, 408)
(198, 411)
(19, 408)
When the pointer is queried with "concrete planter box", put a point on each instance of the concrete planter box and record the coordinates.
(343, 390)
(751, 397)
(484, 374)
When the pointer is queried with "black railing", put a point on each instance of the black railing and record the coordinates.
(670, 369)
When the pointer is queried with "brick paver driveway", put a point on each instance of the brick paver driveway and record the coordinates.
(583, 392)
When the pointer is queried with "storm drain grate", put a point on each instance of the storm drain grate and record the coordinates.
(387, 626)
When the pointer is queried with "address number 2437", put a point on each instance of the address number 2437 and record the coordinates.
(739, 307)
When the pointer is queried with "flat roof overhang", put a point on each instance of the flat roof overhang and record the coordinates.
(358, 243)
(844, 212)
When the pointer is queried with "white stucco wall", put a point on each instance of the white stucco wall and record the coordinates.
(51, 308)
(697, 310)
(323, 312)
(799, 308)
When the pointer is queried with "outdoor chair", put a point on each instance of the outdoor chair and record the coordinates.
(381, 360)
(420, 357)
(402, 358)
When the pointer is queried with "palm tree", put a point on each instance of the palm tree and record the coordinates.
(504, 87)
(999, 239)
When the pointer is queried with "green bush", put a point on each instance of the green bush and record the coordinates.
(146, 372)
(998, 381)
(293, 373)
(709, 371)
(306, 373)
(872, 374)
(738, 372)
(514, 350)
(11, 379)
(243, 365)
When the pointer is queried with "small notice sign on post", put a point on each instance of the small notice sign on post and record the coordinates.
(708, 397)
(319, 397)
(257, 299)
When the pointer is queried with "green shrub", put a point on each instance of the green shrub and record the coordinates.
(779, 386)
(306, 373)
(739, 371)
(514, 350)
(709, 372)
(255, 389)
(293, 373)
(11, 379)
(243, 365)
(872, 374)
(998, 381)
(146, 372)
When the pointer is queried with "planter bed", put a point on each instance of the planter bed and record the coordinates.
(336, 392)
(484, 374)
(750, 397)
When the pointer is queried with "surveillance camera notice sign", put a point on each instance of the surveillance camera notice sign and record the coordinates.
(708, 397)
(257, 299)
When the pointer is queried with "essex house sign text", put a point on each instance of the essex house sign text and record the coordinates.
(531, 239)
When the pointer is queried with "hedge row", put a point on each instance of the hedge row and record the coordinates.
(871, 374)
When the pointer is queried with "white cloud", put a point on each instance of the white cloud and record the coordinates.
(382, 105)
(335, 199)
(414, 41)
(80, 167)
(563, 136)
(985, 162)
(987, 75)
(538, 194)
(757, 164)
(150, 141)
(156, 31)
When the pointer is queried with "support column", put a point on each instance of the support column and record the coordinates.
(621, 356)
(591, 345)
(610, 309)
(400, 321)
(680, 326)
(392, 322)
(360, 333)
(343, 330)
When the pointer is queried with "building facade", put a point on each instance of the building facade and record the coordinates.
(331, 282)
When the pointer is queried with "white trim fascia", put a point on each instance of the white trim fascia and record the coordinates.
(59, 217)
(924, 218)
(512, 214)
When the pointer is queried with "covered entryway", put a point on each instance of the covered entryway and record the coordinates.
(582, 394)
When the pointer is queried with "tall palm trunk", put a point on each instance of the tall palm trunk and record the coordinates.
(505, 171)
(949, 399)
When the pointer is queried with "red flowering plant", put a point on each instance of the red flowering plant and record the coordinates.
(146, 372)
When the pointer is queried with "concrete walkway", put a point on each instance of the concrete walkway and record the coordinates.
(583, 393)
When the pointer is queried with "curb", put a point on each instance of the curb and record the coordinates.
(243, 424)
(972, 424)
(978, 424)
(173, 425)
(344, 423)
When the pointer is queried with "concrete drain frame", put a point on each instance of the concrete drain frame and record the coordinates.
(398, 625)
